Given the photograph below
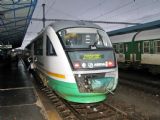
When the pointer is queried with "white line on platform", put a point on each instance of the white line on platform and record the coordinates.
(19, 88)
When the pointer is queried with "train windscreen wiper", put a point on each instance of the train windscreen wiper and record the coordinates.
(100, 38)
(98, 42)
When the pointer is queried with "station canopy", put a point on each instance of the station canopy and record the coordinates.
(15, 16)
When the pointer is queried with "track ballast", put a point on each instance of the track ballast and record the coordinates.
(92, 111)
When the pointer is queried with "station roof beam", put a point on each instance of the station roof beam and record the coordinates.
(15, 16)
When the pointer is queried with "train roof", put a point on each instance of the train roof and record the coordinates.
(59, 25)
(151, 34)
(122, 38)
(148, 34)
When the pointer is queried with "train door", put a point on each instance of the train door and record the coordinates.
(119, 50)
(128, 52)
(137, 52)
(152, 47)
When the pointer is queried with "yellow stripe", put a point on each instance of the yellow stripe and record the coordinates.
(56, 75)
(53, 74)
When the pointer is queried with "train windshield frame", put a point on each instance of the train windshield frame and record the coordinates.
(84, 38)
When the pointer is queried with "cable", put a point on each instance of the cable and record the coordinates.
(93, 7)
(53, 3)
(91, 21)
(66, 14)
(133, 10)
(111, 11)
(145, 17)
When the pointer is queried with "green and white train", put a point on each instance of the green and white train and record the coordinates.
(75, 59)
(138, 49)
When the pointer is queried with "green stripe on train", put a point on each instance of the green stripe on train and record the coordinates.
(70, 92)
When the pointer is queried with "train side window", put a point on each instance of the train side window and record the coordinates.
(38, 46)
(115, 46)
(126, 47)
(139, 47)
(146, 47)
(121, 48)
(157, 46)
(50, 51)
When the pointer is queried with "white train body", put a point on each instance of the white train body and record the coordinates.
(64, 67)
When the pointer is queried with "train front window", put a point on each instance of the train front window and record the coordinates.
(84, 38)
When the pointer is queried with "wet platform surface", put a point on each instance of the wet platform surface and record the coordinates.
(18, 99)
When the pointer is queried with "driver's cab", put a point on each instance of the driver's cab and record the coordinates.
(71, 39)
(84, 38)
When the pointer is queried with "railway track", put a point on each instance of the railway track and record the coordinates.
(148, 83)
(93, 111)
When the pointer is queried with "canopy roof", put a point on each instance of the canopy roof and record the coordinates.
(137, 28)
(15, 16)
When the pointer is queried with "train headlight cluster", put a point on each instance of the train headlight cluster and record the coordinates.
(84, 65)
(109, 63)
(77, 65)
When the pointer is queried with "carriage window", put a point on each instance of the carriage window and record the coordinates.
(50, 50)
(121, 48)
(139, 47)
(126, 47)
(38, 46)
(157, 46)
(115, 46)
(146, 47)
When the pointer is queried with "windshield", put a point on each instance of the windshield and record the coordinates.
(84, 38)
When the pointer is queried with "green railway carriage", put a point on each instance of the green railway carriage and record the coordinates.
(138, 49)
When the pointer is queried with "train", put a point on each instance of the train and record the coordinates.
(75, 59)
(138, 49)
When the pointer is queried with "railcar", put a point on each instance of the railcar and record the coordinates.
(75, 59)
(138, 49)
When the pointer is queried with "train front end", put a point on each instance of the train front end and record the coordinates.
(93, 63)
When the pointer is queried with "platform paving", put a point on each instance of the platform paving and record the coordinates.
(18, 99)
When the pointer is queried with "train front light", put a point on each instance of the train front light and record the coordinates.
(77, 65)
(109, 63)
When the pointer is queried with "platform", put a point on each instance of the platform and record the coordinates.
(18, 98)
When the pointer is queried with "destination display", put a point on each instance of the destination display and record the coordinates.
(91, 56)
(92, 59)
